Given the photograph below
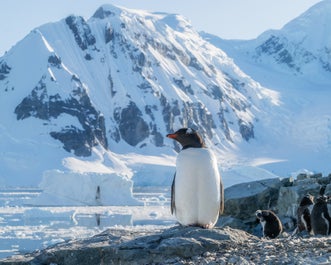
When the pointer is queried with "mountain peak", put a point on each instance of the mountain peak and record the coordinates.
(318, 12)
(174, 21)
(312, 27)
(107, 10)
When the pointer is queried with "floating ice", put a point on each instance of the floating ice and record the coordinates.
(90, 189)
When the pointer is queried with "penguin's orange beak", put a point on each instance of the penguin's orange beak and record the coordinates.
(172, 135)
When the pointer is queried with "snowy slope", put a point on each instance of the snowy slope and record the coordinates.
(294, 61)
(80, 95)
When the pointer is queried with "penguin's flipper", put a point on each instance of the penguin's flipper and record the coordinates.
(306, 218)
(221, 198)
(328, 220)
(173, 205)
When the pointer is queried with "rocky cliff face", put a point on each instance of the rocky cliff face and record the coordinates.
(44, 106)
(293, 55)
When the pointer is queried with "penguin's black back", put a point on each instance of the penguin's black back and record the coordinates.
(320, 218)
(303, 214)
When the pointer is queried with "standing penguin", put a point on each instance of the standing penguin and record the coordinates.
(320, 218)
(197, 195)
(271, 225)
(304, 212)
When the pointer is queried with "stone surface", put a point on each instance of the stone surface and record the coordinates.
(182, 245)
(116, 246)
(242, 200)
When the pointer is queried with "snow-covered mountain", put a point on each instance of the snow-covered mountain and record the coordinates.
(294, 61)
(81, 95)
(302, 47)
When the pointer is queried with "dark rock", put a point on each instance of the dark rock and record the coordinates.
(224, 125)
(109, 34)
(271, 46)
(54, 61)
(39, 104)
(74, 139)
(169, 111)
(280, 49)
(4, 70)
(302, 176)
(115, 134)
(195, 63)
(81, 31)
(316, 175)
(88, 57)
(287, 182)
(102, 13)
(146, 86)
(246, 130)
(132, 127)
(183, 86)
(158, 138)
(216, 92)
(242, 200)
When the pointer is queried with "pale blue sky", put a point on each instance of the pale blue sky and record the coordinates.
(229, 19)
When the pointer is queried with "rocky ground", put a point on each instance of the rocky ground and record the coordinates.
(182, 245)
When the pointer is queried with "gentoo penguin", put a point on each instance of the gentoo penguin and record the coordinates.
(320, 218)
(271, 225)
(197, 195)
(303, 214)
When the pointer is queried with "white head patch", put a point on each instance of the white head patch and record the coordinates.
(258, 212)
(189, 130)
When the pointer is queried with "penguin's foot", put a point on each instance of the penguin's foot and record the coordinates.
(207, 226)
(204, 226)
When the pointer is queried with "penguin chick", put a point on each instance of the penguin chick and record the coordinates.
(197, 195)
(304, 213)
(320, 218)
(271, 225)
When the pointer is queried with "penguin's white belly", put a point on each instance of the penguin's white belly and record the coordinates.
(197, 187)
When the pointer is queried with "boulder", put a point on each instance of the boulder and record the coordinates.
(242, 200)
(290, 197)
